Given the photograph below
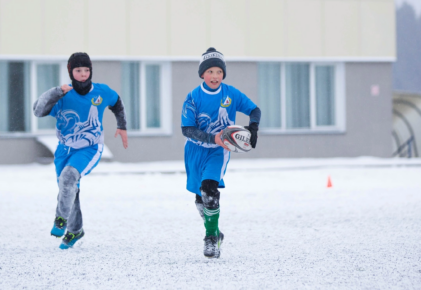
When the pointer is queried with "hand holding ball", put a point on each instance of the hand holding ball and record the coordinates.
(236, 138)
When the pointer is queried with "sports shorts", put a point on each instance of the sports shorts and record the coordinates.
(84, 159)
(204, 163)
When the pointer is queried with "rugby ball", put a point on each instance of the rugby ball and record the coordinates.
(236, 138)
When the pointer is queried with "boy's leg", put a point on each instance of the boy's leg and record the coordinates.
(75, 222)
(67, 182)
(199, 206)
(210, 197)
(212, 179)
(79, 164)
(75, 230)
(71, 165)
(68, 189)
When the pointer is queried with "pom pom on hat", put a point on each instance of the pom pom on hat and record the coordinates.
(212, 58)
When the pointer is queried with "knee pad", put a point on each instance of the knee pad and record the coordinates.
(210, 193)
(198, 199)
(199, 206)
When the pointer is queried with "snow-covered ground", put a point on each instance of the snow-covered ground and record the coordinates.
(284, 229)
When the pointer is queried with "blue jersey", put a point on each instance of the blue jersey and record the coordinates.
(212, 112)
(79, 118)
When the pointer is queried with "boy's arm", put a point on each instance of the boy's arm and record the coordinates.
(255, 116)
(119, 113)
(197, 134)
(43, 106)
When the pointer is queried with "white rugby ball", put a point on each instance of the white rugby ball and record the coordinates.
(236, 138)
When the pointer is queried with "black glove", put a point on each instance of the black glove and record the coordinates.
(253, 128)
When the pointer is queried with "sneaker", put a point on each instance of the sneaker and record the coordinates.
(212, 248)
(59, 227)
(70, 239)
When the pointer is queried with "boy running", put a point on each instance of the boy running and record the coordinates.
(208, 110)
(79, 110)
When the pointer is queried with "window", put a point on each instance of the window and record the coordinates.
(269, 94)
(21, 83)
(44, 76)
(297, 95)
(47, 76)
(325, 95)
(130, 93)
(301, 97)
(15, 108)
(146, 92)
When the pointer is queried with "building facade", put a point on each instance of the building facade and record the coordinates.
(320, 70)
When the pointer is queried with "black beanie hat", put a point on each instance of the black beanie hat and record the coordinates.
(212, 58)
(80, 59)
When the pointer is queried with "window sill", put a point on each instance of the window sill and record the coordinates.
(129, 133)
(20, 135)
(302, 132)
(148, 133)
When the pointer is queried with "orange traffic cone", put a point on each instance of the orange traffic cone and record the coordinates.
(329, 182)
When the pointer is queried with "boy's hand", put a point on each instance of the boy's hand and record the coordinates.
(219, 142)
(253, 128)
(123, 134)
(65, 88)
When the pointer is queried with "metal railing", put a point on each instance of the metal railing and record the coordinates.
(406, 149)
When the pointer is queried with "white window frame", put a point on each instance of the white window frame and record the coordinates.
(165, 101)
(340, 110)
(64, 79)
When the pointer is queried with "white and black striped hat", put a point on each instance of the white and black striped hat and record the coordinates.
(212, 58)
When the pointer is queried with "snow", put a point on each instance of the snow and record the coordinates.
(284, 229)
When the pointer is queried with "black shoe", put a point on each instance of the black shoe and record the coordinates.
(59, 227)
(212, 248)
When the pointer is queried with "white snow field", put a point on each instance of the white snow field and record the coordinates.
(284, 229)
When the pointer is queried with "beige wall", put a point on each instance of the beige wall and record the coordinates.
(174, 28)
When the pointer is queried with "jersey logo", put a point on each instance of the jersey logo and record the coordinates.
(96, 101)
(226, 102)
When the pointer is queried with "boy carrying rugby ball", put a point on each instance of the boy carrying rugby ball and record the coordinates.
(208, 110)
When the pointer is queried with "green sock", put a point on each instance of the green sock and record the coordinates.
(211, 221)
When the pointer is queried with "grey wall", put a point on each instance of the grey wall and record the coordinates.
(150, 148)
(368, 119)
(22, 150)
(368, 122)
(184, 79)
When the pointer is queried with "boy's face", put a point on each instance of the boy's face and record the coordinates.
(81, 74)
(213, 77)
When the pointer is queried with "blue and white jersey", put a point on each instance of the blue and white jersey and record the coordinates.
(79, 118)
(212, 112)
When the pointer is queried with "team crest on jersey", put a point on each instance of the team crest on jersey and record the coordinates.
(226, 102)
(96, 101)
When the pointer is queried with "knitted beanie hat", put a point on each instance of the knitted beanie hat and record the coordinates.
(212, 58)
